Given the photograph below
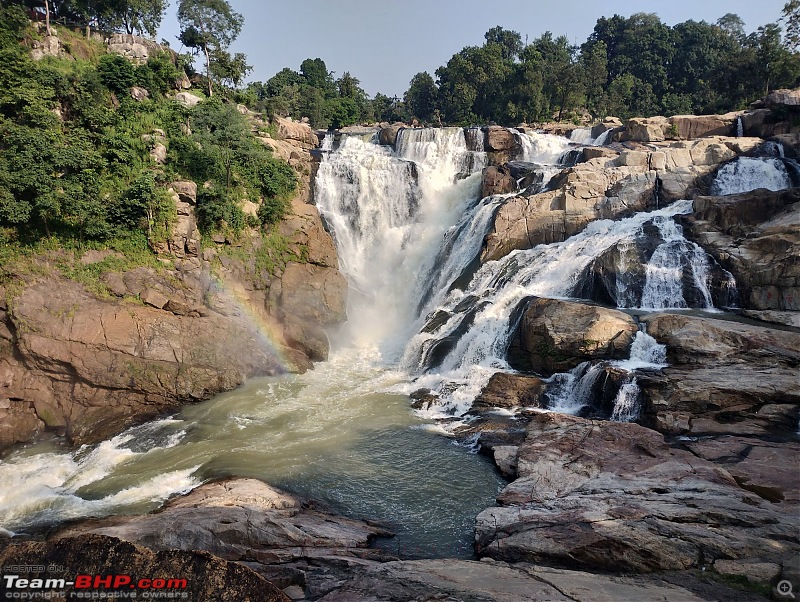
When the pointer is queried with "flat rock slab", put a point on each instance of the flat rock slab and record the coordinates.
(468, 581)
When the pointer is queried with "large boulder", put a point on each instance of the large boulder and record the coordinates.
(299, 133)
(202, 577)
(609, 123)
(388, 135)
(755, 236)
(499, 139)
(617, 497)
(133, 48)
(555, 336)
(689, 127)
(782, 98)
(647, 129)
(235, 519)
(497, 180)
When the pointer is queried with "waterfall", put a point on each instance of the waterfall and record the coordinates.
(646, 352)
(581, 136)
(468, 332)
(390, 212)
(664, 287)
(327, 142)
(739, 127)
(626, 405)
(748, 173)
(544, 149)
(569, 392)
(602, 139)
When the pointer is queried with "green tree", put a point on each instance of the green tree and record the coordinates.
(208, 26)
(510, 42)
(791, 18)
(594, 61)
(422, 96)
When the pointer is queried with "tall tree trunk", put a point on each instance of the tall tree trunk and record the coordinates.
(47, 16)
(208, 70)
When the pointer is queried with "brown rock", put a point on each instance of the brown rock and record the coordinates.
(647, 129)
(497, 180)
(689, 127)
(499, 139)
(94, 368)
(153, 298)
(186, 191)
(555, 336)
(388, 135)
(721, 375)
(615, 496)
(299, 133)
(208, 578)
(510, 391)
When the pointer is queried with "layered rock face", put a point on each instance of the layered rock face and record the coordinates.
(755, 236)
(609, 185)
(617, 497)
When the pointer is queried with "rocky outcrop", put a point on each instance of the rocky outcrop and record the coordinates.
(647, 129)
(491, 581)
(609, 123)
(723, 378)
(299, 133)
(555, 336)
(388, 135)
(609, 185)
(202, 577)
(286, 539)
(89, 368)
(618, 497)
(132, 47)
(260, 523)
(187, 99)
(755, 236)
(497, 180)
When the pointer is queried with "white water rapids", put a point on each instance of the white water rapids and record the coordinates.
(408, 225)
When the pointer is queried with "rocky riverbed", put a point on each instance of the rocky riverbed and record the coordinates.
(695, 497)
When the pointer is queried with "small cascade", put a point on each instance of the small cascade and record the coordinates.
(668, 267)
(602, 139)
(544, 149)
(627, 405)
(739, 128)
(774, 149)
(646, 352)
(581, 136)
(750, 173)
(327, 142)
(569, 392)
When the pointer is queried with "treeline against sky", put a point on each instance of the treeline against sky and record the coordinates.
(628, 66)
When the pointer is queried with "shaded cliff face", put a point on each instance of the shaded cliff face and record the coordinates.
(89, 367)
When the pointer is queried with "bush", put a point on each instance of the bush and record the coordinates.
(158, 74)
(116, 73)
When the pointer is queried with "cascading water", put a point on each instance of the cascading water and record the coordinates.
(626, 404)
(544, 149)
(739, 127)
(750, 173)
(663, 286)
(581, 136)
(469, 329)
(602, 139)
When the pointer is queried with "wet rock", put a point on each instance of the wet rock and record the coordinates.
(555, 336)
(208, 578)
(388, 135)
(755, 236)
(497, 180)
(617, 497)
(510, 391)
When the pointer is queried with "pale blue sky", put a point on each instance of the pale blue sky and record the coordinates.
(385, 42)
